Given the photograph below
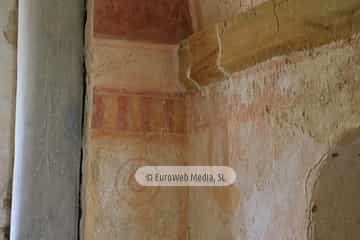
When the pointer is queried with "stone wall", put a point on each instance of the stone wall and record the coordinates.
(8, 39)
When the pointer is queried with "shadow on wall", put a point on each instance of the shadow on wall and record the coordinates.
(335, 201)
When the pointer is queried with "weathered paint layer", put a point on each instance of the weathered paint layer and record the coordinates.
(158, 21)
(274, 123)
(121, 113)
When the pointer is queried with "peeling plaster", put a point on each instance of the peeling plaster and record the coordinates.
(274, 123)
(284, 115)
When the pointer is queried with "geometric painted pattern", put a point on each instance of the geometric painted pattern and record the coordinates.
(118, 112)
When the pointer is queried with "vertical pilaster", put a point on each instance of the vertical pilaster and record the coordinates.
(48, 120)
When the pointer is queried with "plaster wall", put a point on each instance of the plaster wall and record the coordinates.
(8, 38)
(335, 212)
(135, 116)
(274, 124)
(206, 13)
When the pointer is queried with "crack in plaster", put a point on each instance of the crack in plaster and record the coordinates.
(219, 32)
(311, 179)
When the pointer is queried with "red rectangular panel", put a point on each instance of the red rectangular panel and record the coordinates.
(158, 21)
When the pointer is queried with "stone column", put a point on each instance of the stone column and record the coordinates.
(48, 120)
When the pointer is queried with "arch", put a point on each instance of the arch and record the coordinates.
(334, 212)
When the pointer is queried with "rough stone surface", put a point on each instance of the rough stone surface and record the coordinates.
(274, 123)
(8, 29)
(271, 29)
(159, 21)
